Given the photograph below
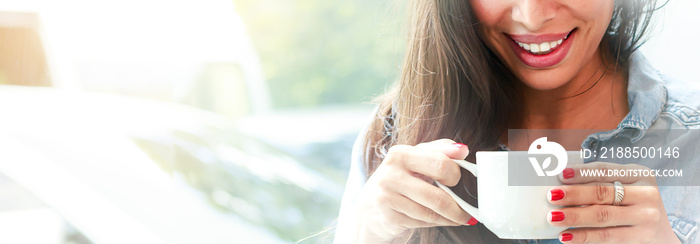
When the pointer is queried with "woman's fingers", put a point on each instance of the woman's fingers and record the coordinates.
(400, 221)
(404, 191)
(424, 216)
(621, 234)
(431, 197)
(600, 194)
(432, 164)
(450, 148)
(641, 215)
(602, 216)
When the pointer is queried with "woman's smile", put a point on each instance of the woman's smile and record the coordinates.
(541, 51)
(546, 44)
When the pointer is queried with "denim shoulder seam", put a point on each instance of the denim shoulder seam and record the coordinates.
(683, 114)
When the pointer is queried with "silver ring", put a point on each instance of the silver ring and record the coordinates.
(619, 193)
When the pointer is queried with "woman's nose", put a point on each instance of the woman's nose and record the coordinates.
(533, 14)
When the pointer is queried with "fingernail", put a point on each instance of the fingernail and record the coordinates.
(459, 145)
(472, 221)
(556, 194)
(568, 173)
(566, 237)
(556, 216)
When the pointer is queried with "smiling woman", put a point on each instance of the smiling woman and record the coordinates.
(476, 69)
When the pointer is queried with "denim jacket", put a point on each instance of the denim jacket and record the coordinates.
(657, 103)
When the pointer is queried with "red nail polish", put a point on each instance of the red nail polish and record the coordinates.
(556, 194)
(459, 145)
(556, 216)
(472, 221)
(567, 237)
(569, 173)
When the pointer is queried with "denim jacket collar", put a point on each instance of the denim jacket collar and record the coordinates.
(646, 94)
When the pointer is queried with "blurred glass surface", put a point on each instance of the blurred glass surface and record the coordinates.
(123, 170)
(150, 130)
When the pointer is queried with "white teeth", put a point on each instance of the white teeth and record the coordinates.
(534, 48)
(540, 48)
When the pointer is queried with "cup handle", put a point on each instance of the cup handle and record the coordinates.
(474, 212)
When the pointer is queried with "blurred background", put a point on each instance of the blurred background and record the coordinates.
(209, 121)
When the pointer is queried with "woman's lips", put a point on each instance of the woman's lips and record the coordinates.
(550, 49)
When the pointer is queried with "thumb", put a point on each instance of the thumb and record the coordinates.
(450, 148)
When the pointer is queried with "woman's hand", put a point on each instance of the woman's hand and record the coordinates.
(641, 217)
(400, 194)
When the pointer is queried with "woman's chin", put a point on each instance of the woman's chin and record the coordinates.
(544, 84)
(544, 79)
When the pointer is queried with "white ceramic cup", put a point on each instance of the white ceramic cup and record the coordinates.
(510, 212)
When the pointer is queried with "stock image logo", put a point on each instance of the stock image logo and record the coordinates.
(551, 149)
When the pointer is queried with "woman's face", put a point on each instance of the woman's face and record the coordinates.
(545, 43)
